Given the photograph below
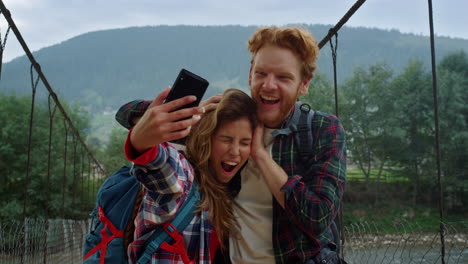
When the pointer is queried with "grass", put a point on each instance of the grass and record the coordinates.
(397, 218)
(389, 205)
(388, 175)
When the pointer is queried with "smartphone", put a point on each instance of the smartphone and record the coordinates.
(187, 83)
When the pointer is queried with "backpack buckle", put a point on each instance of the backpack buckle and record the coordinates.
(305, 108)
(177, 247)
(171, 230)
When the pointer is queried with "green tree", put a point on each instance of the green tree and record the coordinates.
(370, 133)
(453, 112)
(113, 155)
(321, 95)
(413, 110)
(56, 182)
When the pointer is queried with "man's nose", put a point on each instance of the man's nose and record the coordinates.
(270, 82)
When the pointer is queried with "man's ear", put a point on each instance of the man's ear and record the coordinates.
(304, 87)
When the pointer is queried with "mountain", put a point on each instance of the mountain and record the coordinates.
(105, 69)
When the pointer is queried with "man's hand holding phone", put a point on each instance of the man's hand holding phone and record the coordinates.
(164, 122)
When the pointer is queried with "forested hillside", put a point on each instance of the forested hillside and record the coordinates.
(104, 69)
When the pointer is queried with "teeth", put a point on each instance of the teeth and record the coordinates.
(230, 163)
(269, 98)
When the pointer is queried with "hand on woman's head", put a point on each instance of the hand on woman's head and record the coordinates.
(211, 103)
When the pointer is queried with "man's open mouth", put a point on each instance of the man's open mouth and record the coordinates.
(269, 100)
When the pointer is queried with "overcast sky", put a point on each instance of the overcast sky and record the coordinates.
(46, 22)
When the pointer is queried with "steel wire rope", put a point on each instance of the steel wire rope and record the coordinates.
(437, 134)
(342, 21)
(49, 154)
(334, 49)
(2, 46)
(82, 204)
(75, 146)
(34, 84)
(89, 178)
(47, 204)
(65, 127)
(334, 32)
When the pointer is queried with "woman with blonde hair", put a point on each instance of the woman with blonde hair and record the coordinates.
(217, 147)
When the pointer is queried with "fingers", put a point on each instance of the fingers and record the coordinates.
(160, 98)
(258, 135)
(258, 148)
(171, 108)
(179, 134)
(185, 113)
(212, 102)
(181, 124)
(179, 129)
(164, 122)
(152, 131)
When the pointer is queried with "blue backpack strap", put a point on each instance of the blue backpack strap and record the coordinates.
(301, 125)
(180, 222)
(303, 136)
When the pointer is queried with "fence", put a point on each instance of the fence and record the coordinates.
(41, 241)
(61, 241)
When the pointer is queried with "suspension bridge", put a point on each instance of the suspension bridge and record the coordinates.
(51, 228)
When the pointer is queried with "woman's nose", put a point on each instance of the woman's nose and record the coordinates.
(235, 149)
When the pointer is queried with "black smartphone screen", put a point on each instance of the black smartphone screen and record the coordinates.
(188, 83)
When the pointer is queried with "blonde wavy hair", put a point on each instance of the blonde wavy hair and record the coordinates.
(234, 105)
(297, 39)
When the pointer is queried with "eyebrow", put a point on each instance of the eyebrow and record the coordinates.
(287, 73)
(229, 137)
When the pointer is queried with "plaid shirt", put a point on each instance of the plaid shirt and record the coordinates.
(168, 179)
(313, 195)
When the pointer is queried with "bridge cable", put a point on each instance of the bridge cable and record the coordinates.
(34, 84)
(437, 134)
(328, 38)
(75, 146)
(2, 46)
(342, 21)
(83, 205)
(49, 165)
(49, 155)
(334, 51)
(65, 126)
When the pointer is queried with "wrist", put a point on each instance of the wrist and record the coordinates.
(260, 156)
(135, 143)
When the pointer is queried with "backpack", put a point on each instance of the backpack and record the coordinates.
(114, 213)
(300, 125)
